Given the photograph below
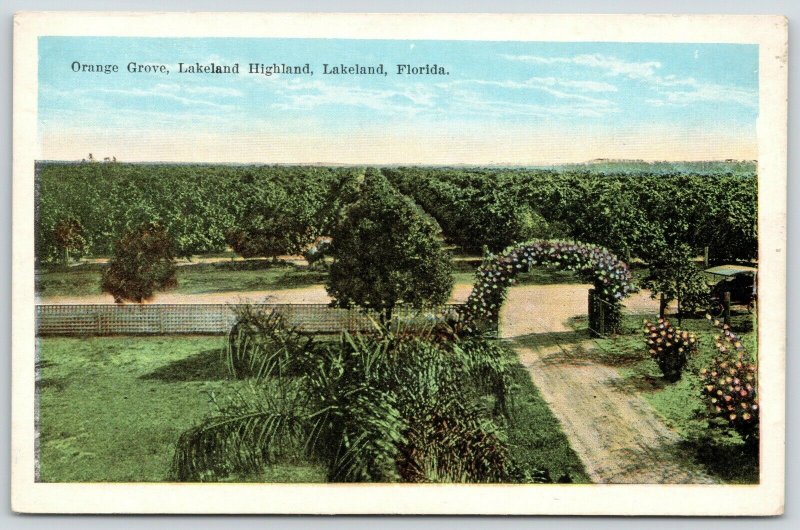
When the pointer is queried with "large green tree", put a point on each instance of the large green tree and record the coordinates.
(674, 275)
(387, 251)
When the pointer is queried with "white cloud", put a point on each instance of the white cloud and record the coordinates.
(612, 65)
(201, 90)
(306, 95)
(585, 86)
(558, 88)
(469, 102)
(453, 98)
(671, 89)
(712, 93)
(88, 97)
(160, 92)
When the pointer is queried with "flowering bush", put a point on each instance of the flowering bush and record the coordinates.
(730, 386)
(670, 347)
(611, 277)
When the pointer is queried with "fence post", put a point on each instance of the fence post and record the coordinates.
(726, 307)
(601, 316)
(705, 257)
(161, 320)
(597, 324)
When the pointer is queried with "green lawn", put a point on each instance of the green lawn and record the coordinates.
(260, 275)
(535, 435)
(251, 275)
(680, 404)
(112, 408)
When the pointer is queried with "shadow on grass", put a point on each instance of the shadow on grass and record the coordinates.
(731, 463)
(557, 338)
(578, 346)
(204, 366)
(52, 383)
(637, 383)
(259, 264)
(293, 279)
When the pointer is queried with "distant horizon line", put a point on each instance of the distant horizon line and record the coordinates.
(594, 161)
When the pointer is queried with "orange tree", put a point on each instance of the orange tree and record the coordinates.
(386, 251)
(143, 262)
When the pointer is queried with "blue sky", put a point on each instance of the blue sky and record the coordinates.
(502, 102)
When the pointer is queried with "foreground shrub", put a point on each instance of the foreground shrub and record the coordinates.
(670, 347)
(382, 408)
(260, 344)
(730, 387)
(143, 262)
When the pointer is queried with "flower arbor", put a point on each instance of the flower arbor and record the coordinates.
(610, 276)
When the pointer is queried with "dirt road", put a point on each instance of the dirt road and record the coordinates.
(617, 434)
(315, 294)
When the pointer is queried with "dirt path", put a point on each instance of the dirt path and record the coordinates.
(302, 295)
(616, 434)
(314, 294)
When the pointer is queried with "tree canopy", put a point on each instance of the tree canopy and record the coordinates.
(387, 251)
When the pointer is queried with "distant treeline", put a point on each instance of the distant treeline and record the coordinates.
(636, 215)
(269, 210)
(205, 208)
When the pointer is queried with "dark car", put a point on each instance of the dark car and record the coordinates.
(738, 280)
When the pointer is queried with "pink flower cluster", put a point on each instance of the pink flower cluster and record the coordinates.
(669, 346)
(730, 384)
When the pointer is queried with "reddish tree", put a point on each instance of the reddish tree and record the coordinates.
(143, 262)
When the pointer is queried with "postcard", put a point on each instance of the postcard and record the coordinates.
(399, 263)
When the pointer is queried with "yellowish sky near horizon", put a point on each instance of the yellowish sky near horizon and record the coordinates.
(393, 147)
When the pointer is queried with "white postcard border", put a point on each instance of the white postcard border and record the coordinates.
(769, 32)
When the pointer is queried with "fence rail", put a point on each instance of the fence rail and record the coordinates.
(158, 319)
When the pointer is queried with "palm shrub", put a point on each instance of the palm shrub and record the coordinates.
(260, 344)
(386, 407)
(730, 387)
(670, 347)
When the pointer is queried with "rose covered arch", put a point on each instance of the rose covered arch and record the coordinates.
(611, 277)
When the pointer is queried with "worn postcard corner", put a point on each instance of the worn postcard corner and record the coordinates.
(399, 264)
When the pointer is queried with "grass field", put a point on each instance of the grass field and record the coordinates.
(251, 275)
(535, 435)
(200, 278)
(111, 410)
